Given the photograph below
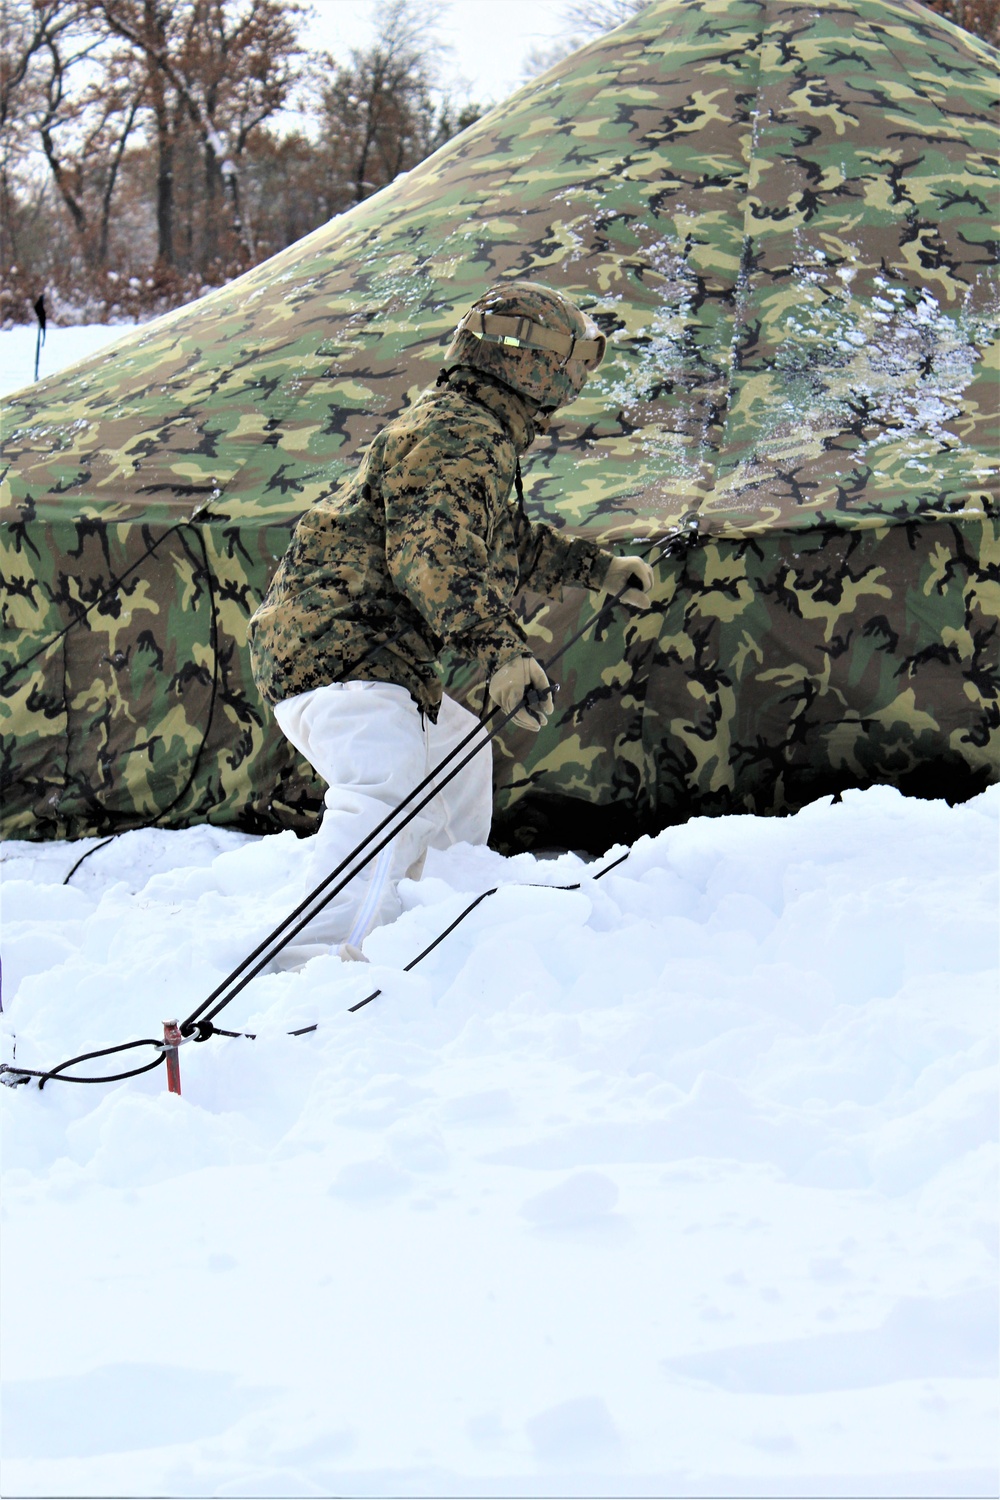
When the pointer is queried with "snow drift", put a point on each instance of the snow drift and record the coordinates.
(681, 1183)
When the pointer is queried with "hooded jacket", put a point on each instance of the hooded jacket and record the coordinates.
(423, 548)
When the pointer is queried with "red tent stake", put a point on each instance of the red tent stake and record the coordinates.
(171, 1041)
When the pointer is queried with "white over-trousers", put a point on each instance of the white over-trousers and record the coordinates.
(371, 744)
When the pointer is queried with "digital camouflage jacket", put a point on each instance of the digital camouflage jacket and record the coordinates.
(423, 547)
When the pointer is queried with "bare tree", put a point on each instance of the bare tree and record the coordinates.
(580, 22)
(229, 63)
(141, 138)
(26, 31)
(595, 17)
(166, 110)
(378, 112)
(84, 132)
(65, 92)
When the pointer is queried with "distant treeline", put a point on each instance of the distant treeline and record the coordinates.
(150, 149)
(149, 152)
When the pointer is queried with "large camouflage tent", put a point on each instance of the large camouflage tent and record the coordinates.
(780, 213)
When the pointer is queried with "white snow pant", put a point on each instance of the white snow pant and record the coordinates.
(370, 743)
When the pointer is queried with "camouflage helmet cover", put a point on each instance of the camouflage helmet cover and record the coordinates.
(533, 339)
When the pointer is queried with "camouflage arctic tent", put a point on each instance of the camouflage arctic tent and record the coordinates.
(781, 216)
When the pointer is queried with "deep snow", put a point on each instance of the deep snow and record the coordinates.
(62, 347)
(683, 1183)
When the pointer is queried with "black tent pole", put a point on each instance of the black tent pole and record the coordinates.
(40, 313)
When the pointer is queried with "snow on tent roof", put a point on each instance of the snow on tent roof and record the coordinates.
(780, 214)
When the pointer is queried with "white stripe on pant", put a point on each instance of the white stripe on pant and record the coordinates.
(371, 745)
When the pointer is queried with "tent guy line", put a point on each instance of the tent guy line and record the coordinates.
(377, 645)
(111, 592)
(203, 1030)
(197, 1026)
(264, 953)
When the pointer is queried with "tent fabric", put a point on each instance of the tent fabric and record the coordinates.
(781, 216)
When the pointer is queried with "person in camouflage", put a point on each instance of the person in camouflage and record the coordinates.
(424, 548)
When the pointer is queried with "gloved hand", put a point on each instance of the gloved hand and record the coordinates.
(509, 684)
(623, 569)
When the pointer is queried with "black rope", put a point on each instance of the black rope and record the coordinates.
(430, 946)
(86, 855)
(341, 876)
(347, 870)
(207, 1029)
(213, 696)
(57, 1071)
(202, 1030)
(199, 1025)
(245, 972)
(152, 822)
(467, 911)
(77, 619)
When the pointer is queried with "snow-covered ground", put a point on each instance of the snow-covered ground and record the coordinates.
(62, 347)
(683, 1183)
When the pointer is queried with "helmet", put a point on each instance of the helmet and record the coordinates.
(532, 339)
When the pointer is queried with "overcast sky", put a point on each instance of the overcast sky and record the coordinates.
(489, 38)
